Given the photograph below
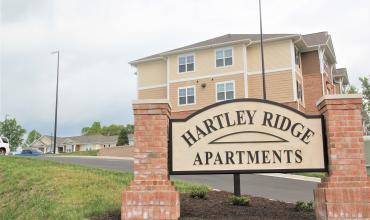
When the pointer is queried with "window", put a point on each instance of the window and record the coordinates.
(187, 95)
(5, 140)
(186, 63)
(224, 57)
(225, 91)
(326, 65)
(299, 91)
(297, 57)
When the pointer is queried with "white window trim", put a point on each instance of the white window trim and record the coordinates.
(178, 63)
(299, 100)
(293, 66)
(232, 56)
(224, 82)
(299, 64)
(168, 78)
(187, 87)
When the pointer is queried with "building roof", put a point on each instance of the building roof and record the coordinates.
(315, 38)
(309, 40)
(51, 138)
(92, 139)
(341, 73)
(84, 139)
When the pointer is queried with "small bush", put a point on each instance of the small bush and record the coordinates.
(304, 206)
(240, 200)
(199, 192)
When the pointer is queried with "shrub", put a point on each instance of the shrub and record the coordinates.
(199, 192)
(304, 206)
(240, 200)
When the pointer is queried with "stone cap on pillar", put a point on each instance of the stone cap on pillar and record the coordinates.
(151, 106)
(151, 101)
(340, 99)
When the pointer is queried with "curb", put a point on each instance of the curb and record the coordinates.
(292, 176)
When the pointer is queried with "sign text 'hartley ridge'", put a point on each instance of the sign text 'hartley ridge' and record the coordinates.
(247, 136)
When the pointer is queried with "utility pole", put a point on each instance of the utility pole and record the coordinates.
(56, 104)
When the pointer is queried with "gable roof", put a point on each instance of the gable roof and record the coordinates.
(309, 40)
(341, 72)
(84, 139)
(93, 139)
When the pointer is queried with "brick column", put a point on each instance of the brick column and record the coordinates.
(344, 193)
(151, 195)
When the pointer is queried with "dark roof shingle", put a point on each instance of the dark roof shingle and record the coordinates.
(310, 40)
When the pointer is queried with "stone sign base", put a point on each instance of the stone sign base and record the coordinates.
(342, 199)
(151, 195)
(345, 192)
(150, 200)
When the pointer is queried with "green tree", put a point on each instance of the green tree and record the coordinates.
(112, 130)
(130, 128)
(94, 129)
(14, 132)
(365, 91)
(122, 138)
(32, 136)
(352, 90)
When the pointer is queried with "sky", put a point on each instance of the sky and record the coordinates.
(97, 39)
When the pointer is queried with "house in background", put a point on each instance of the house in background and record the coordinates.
(74, 143)
(340, 80)
(45, 142)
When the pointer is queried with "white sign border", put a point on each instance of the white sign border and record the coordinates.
(324, 140)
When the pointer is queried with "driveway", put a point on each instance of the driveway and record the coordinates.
(288, 190)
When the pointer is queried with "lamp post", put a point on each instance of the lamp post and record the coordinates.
(237, 175)
(56, 104)
(262, 56)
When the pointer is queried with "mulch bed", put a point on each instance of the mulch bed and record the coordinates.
(217, 207)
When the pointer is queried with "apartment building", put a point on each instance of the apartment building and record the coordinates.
(299, 70)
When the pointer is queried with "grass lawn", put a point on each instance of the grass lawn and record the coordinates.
(81, 153)
(37, 189)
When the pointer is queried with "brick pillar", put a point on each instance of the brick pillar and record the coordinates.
(344, 193)
(151, 195)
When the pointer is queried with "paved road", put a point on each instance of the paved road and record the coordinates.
(266, 186)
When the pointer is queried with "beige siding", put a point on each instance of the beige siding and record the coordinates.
(205, 63)
(204, 96)
(152, 73)
(155, 93)
(279, 86)
(277, 56)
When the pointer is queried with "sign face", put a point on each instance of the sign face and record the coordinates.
(247, 136)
